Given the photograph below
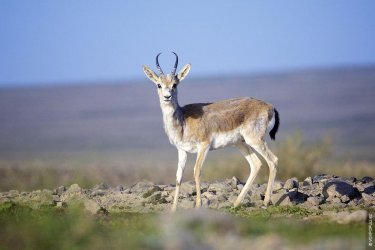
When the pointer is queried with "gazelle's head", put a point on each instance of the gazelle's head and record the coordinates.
(167, 84)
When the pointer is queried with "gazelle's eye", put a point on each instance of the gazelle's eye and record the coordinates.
(174, 86)
(159, 86)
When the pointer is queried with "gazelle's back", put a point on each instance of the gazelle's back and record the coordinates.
(204, 119)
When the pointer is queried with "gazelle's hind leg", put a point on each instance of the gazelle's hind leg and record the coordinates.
(271, 160)
(255, 165)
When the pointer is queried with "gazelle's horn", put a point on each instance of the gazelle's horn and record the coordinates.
(157, 64)
(175, 65)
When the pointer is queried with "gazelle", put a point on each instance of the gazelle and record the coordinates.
(201, 127)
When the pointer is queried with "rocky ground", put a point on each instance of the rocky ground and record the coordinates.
(318, 193)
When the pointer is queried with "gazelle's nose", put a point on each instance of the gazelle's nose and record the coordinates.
(167, 97)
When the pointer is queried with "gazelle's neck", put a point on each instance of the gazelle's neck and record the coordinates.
(173, 121)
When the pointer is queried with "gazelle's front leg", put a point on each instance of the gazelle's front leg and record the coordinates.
(202, 152)
(182, 155)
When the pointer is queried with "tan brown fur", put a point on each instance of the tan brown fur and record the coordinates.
(203, 119)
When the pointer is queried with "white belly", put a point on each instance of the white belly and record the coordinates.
(220, 140)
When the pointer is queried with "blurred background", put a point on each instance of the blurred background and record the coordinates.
(75, 105)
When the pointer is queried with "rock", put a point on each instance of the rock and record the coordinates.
(157, 198)
(315, 201)
(141, 187)
(352, 180)
(281, 199)
(36, 199)
(98, 192)
(101, 186)
(219, 187)
(369, 190)
(335, 200)
(338, 188)
(91, 206)
(345, 217)
(60, 204)
(55, 198)
(291, 183)
(368, 198)
(293, 193)
(234, 182)
(186, 203)
(278, 185)
(308, 181)
(345, 199)
(255, 194)
(188, 188)
(60, 190)
(367, 179)
(151, 191)
(74, 188)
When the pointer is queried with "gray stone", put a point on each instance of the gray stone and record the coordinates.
(60, 204)
(255, 195)
(278, 185)
(91, 206)
(60, 190)
(367, 179)
(157, 198)
(338, 188)
(240, 187)
(101, 186)
(344, 199)
(308, 181)
(141, 187)
(335, 200)
(219, 187)
(98, 192)
(315, 201)
(359, 216)
(369, 189)
(291, 183)
(187, 188)
(281, 199)
(74, 188)
(151, 191)
(368, 198)
(55, 198)
(293, 193)
(234, 182)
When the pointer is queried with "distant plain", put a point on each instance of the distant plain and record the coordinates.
(118, 126)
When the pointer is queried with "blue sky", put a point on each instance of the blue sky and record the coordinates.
(72, 41)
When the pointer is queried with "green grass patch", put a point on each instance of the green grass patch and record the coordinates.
(72, 228)
(290, 222)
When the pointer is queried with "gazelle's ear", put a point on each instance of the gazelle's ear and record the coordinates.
(183, 72)
(150, 74)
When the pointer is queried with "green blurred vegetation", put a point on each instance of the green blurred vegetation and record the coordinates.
(72, 228)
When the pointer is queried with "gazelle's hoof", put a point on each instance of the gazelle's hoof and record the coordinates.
(173, 209)
(266, 204)
(198, 204)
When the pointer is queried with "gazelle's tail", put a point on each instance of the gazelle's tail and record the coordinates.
(276, 124)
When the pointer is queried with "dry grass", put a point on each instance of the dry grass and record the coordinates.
(298, 157)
